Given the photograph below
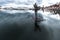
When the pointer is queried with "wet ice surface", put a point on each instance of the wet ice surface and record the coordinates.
(20, 26)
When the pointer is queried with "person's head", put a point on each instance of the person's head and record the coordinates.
(35, 3)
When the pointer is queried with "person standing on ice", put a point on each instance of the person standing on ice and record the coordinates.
(36, 8)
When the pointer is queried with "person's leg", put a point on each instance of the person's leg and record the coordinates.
(37, 27)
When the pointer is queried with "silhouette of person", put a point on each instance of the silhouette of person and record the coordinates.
(36, 7)
(36, 24)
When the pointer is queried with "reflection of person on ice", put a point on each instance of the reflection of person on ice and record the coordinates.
(36, 24)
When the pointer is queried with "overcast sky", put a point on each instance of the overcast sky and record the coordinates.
(28, 2)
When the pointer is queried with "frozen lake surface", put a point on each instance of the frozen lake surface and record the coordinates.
(20, 26)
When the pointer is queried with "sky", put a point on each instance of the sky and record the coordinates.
(27, 2)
